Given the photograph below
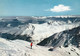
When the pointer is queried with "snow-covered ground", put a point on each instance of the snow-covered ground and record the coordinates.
(42, 31)
(39, 31)
(22, 48)
(38, 28)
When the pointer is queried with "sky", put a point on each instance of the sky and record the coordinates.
(39, 7)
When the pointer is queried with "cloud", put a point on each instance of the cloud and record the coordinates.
(60, 8)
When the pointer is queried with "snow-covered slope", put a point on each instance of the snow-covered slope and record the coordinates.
(41, 31)
(22, 48)
(64, 38)
(38, 28)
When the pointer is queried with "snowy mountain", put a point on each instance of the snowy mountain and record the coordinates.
(64, 38)
(53, 33)
(38, 28)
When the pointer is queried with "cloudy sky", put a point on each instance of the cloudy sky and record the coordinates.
(39, 7)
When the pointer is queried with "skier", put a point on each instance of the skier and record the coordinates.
(31, 45)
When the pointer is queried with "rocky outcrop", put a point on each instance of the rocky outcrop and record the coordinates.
(65, 38)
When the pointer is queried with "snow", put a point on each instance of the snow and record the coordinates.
(22, 48)
(42, 17)
(41, 31)
(69, 51)
(38, 32)
(8, 25)
(66, 16)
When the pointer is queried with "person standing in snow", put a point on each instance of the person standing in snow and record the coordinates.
(31, 45)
